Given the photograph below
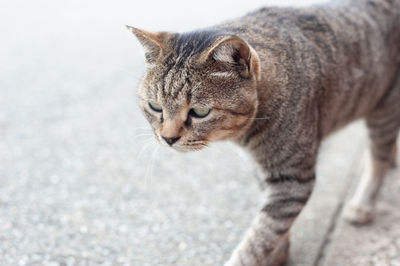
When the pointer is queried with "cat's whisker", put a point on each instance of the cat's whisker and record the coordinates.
(150, 165)
(146, 144)
(143, 135)
(142, 130)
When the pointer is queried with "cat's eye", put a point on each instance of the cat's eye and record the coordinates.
(199, 112)
(155, 106)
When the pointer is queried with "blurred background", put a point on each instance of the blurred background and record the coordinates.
(82, 181)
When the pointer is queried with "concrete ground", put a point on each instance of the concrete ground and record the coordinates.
(82, 182)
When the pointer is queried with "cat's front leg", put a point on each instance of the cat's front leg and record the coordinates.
(266, 243)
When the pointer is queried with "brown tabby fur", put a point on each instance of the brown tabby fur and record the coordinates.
(278, 81)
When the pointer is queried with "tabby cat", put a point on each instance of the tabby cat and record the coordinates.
(278, 81)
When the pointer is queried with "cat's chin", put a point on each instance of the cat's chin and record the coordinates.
(186, 149)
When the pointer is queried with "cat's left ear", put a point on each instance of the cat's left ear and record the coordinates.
(235, 53)
(154, 43)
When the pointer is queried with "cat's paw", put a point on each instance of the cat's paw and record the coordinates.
(280, 254)
(277, 257)
(359, 214)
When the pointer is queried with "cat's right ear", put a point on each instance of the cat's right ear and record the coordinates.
(153, 43)
(235, 54)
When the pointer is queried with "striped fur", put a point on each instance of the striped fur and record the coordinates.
(277, 82)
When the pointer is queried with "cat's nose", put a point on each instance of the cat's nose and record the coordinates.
(172, 140)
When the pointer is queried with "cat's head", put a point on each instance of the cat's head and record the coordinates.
(198, 87)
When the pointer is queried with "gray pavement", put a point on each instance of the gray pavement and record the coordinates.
(82, 182)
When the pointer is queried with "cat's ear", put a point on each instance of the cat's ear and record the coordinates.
(236, 54)
(153, 43)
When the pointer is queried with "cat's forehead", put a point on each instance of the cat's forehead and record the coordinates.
(180, 86)
(178, 78)
(174, 84)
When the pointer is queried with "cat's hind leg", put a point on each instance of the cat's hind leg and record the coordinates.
(383, 125)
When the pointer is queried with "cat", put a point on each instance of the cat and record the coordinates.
(277, 81)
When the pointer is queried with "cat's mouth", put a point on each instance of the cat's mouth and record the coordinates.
(195, 145)
(184, 145)
(189, 146)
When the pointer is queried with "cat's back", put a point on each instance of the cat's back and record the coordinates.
(339, 19)
(341, 56)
